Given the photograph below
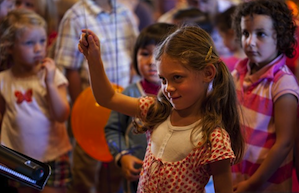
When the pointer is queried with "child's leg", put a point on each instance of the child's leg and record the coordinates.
(60, 175)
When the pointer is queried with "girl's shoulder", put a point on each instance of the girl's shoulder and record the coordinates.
(60, 79)
(219, 133)
(220, 147)
(5, 73)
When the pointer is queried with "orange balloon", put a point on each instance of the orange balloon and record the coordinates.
(88, 120)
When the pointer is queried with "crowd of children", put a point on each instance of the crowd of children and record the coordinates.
(210, 96)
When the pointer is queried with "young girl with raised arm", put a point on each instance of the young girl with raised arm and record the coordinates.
(268, 93)
(127, 148)
(192, 125)
(33, 98)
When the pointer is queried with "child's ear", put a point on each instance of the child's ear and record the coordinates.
(209, 72)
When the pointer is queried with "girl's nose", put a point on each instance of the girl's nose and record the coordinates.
(251, 40)
(151, 60)
(37, 47)
(169, 88)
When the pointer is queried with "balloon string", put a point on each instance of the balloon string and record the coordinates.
(116, 65)
(116, 44)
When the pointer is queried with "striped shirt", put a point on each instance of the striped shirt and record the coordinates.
(117, 33)
(257, 94)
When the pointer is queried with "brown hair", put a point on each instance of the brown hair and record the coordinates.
(283, 22)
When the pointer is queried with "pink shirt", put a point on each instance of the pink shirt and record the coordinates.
(257, 94)
(230, 62)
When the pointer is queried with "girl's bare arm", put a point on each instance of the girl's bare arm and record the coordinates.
(57, 96)
(103, 92)
(222, 178)
(285, 122)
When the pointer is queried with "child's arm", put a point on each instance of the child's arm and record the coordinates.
(103, 92)
(57, 96)
(285, 122)
(222, 178)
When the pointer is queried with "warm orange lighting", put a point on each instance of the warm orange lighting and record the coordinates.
(292, 6)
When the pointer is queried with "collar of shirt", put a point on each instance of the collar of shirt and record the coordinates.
(267, 72)
(96, 9)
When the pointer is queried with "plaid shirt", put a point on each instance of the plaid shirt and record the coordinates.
(257, 94)
(117, 32)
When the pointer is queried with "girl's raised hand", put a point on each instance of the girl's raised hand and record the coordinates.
(50, 67)
(89, 45)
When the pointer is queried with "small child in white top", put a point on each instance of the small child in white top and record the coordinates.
(33, 97)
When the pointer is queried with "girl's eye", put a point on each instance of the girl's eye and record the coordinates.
(144, 54)
(43, 41)
(261, 34)
(28, 43)
(29, 5)
(177, 77)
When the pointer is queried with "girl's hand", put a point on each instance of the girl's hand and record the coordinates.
(50, 67)
(128, 167)
(90, 46)
(243, 186)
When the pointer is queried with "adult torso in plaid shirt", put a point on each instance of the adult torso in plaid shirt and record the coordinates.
(117, 33)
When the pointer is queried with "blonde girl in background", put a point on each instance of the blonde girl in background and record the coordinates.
(47, 9)
(33, 98)
(193, 124)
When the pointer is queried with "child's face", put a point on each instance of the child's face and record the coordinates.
(5, 7)
(259, 39)
(26, 4)
(229, 40)
(29, 48)
(184, 88)
(146, 64)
